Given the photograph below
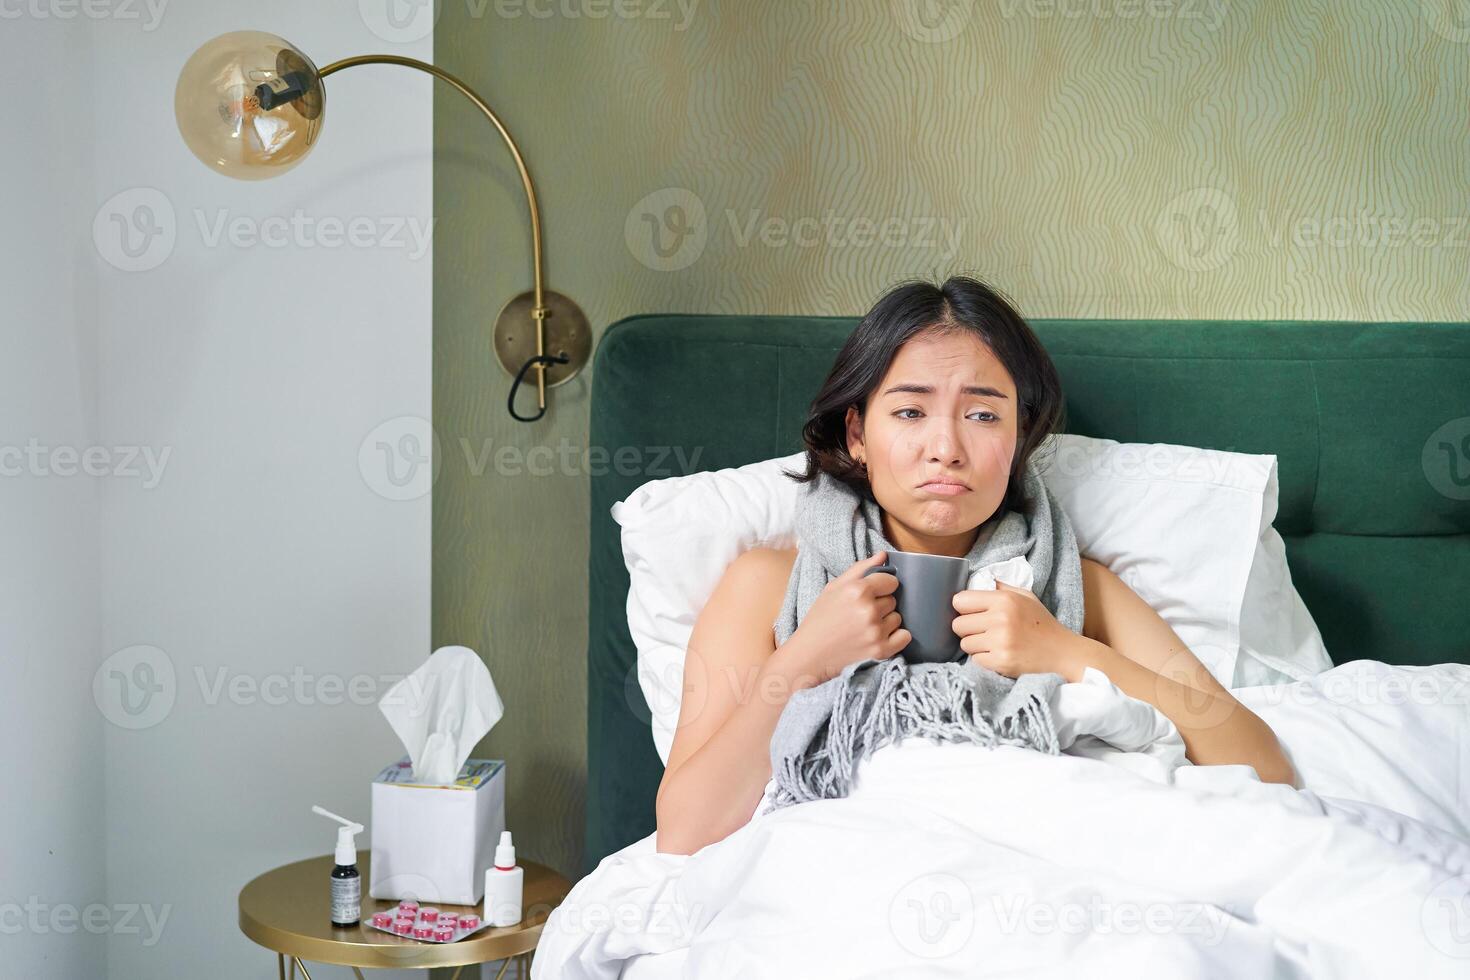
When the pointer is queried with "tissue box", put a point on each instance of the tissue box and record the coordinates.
(433, 843)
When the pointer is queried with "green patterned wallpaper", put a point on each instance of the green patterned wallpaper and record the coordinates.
(1120, 158)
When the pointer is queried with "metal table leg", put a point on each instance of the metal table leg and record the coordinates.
(281, 960)
(286, 967)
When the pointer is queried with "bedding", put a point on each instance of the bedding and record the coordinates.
(1398, 736)
(1116, 858)
(656, 966)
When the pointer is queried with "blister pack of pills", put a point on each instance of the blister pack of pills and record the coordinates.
(425, 924)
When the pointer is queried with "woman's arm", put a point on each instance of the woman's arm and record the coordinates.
(735, 685)
(1126, 639)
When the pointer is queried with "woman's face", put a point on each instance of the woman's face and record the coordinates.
(938, 437)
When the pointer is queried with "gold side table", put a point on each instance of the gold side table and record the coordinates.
(288, 910)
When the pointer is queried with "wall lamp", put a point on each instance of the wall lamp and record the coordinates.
(250, 105)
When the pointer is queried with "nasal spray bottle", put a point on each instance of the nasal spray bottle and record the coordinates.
(346, 882)
(503, 885)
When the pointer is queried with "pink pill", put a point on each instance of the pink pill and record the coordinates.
(382, 920)
(448, 919)
(428, 915)
(469, 922)
(444, 934)
(423, 932)
(403, 927)
(409, 904)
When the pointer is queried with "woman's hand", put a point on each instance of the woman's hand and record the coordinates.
(1012, 633)
(855, 618)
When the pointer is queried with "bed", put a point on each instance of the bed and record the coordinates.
(1370, 423)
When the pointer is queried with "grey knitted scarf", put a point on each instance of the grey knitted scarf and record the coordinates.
(825, 731)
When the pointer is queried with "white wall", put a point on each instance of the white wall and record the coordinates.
(51, 817)
(265, 561)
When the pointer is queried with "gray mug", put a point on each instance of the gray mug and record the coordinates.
(926, 589)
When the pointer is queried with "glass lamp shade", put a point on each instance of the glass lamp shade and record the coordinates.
(249, 104)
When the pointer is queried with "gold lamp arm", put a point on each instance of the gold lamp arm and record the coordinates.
(538, 309)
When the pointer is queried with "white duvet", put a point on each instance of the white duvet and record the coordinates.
(1116, 858)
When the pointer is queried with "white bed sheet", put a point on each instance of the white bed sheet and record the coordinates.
(1244, 878)
(656, 966)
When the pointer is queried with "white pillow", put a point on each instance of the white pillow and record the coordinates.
(1182, 526)
(679, 534)
(1398, 737)
(1190, 531)
(1279, 640)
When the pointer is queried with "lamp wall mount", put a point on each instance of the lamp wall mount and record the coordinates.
(563, 334)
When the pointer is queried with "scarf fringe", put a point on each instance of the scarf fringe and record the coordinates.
(939, 705)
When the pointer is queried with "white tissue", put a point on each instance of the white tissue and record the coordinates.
(1013, 571)
(441, 711)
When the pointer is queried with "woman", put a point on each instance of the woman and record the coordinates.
(933, 406)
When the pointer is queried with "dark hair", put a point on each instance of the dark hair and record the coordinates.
(911, 309)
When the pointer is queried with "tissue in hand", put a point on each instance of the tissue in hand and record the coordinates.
(437, 814)
(1015, 571)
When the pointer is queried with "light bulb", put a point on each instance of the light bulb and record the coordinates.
(249, 104)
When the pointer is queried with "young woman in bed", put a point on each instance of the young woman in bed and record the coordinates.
(934, 404)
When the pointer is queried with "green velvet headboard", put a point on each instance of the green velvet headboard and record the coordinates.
(1370, 424)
